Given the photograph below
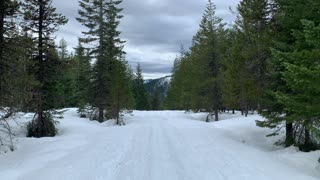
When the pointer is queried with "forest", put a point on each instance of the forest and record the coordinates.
(267, 61)
(241, 102)
(38, 75)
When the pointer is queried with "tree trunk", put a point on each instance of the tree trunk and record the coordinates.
(246, 110)
(40, 73)
(216, 115)
(289, 135)
(259, 108)
(101, 114)
(233, 111)
(208, 119)
(2, 15)
(118, 110)
(307, 139)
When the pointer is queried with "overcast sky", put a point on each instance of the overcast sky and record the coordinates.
(153, 29)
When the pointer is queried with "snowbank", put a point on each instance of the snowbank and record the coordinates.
(171, 145)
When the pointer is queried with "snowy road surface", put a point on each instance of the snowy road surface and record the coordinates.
(152, 146)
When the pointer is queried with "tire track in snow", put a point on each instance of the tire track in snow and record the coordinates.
(134, 165)
(154, 156)
(165, 159)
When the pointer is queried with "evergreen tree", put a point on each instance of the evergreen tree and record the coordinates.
(121, 92)
(289, 38)
(207, 62)
(180, 89)
(63, 52)
(232, 71)
(8, 11)
(254, 30)
(301, 97)
(66, 76)
(196, 81)
(140, 93)
(102, 19)
(42, 20)
(302, 69)
(83, 74)
(155, 100)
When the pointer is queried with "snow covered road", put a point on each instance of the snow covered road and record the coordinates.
(162, 145)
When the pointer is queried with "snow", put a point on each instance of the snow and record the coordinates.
(157, 145)
(166, 80)
(147, 81)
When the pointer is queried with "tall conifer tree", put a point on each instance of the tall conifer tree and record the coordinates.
(101, 17)
(207, 60)
(8, 11)
(41, 18)
(140, 93)
(83, 75)
(254, 30)
(290, 37)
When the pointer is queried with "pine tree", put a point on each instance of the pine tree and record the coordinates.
(8, 11)
(42, 20)
(286, 20)
(15, 82)
(102, 19)
(253, 24)
(196, 81)
(66, 76)
(63, 50)
(207, 61)
(121, 92)
(232, 71)
(301, 97)
(155, 100)
(83, 74)
(140, 93)
(179, 91)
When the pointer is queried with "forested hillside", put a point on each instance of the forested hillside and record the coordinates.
(161, 85)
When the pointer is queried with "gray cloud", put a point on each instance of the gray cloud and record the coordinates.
(153, 29)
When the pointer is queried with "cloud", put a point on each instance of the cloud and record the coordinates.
(153, 29)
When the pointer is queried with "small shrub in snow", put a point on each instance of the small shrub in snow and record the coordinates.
(44, 126)
(35, 130)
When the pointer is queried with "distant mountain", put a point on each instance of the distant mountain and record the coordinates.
(162, 84)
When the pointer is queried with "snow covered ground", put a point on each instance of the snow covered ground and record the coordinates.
(162, 145)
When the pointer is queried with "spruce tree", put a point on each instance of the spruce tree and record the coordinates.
(196, 81)
(121, 92)
(66, 76)
(207, 62)
(180, 89)
(8, 11)
(288, 31)
(155, 100)
(140, 93)
(41, 18)
(254, 27)
(232, 71)
(301, 97)
(83, 74)
(102, 19)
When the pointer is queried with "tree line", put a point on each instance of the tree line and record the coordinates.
(267, 61)
(37, 75)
